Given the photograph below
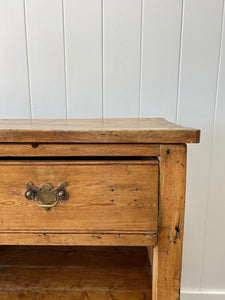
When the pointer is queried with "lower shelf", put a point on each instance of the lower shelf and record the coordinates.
(80, 273)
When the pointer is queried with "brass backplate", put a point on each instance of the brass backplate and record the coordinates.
(46, 194)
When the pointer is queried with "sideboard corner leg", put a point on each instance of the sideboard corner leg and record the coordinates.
(167, 256)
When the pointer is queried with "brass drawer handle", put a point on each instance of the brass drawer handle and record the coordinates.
(46, 196)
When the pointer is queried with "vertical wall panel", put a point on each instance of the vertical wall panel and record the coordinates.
(214, 261)
(200, 56)
(160, 61)
(46, 58)
(121, 57)
(14, 90)
(83, 34)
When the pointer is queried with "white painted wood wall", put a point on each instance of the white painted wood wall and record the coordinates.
(131, 58)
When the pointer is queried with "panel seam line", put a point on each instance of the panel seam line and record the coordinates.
(64, 58)
(141, 59)
(27, 59)
(180, 61)
(102, 61)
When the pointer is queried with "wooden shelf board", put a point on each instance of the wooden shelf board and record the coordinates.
(136, 130)
(81, 273)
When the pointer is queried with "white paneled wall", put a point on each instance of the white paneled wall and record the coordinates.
(121, 57)
(14, 81)
(83, 57)
(131, 58)
(201, 38)
(160, 58)
(44, 20)
(214, 258)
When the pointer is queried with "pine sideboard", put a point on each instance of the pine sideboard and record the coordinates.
(70, 186)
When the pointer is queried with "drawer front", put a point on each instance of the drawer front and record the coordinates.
(115, 196)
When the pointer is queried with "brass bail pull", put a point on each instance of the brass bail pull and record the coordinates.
(46, 196)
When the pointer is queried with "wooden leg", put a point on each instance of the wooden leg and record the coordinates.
(153, 258)
(167, 256)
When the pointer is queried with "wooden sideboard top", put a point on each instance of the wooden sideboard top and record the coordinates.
(137, 130)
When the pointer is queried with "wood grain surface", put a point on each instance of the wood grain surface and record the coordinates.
(167, 256)
(104, 195)
(68, 256)
(75, 273)
(78, 238)
(59, 150)
(137, 130)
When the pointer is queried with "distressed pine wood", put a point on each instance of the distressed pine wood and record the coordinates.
(140, 130)
(73, 256)
(114, 201)
(60, 150)
(167, 256)
(155, 273)
(75, 273)
(79, 238)
(57, 278)
(78, 295)
(105, 195)
(150, 254)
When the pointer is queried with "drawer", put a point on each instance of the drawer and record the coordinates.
(113, 195)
